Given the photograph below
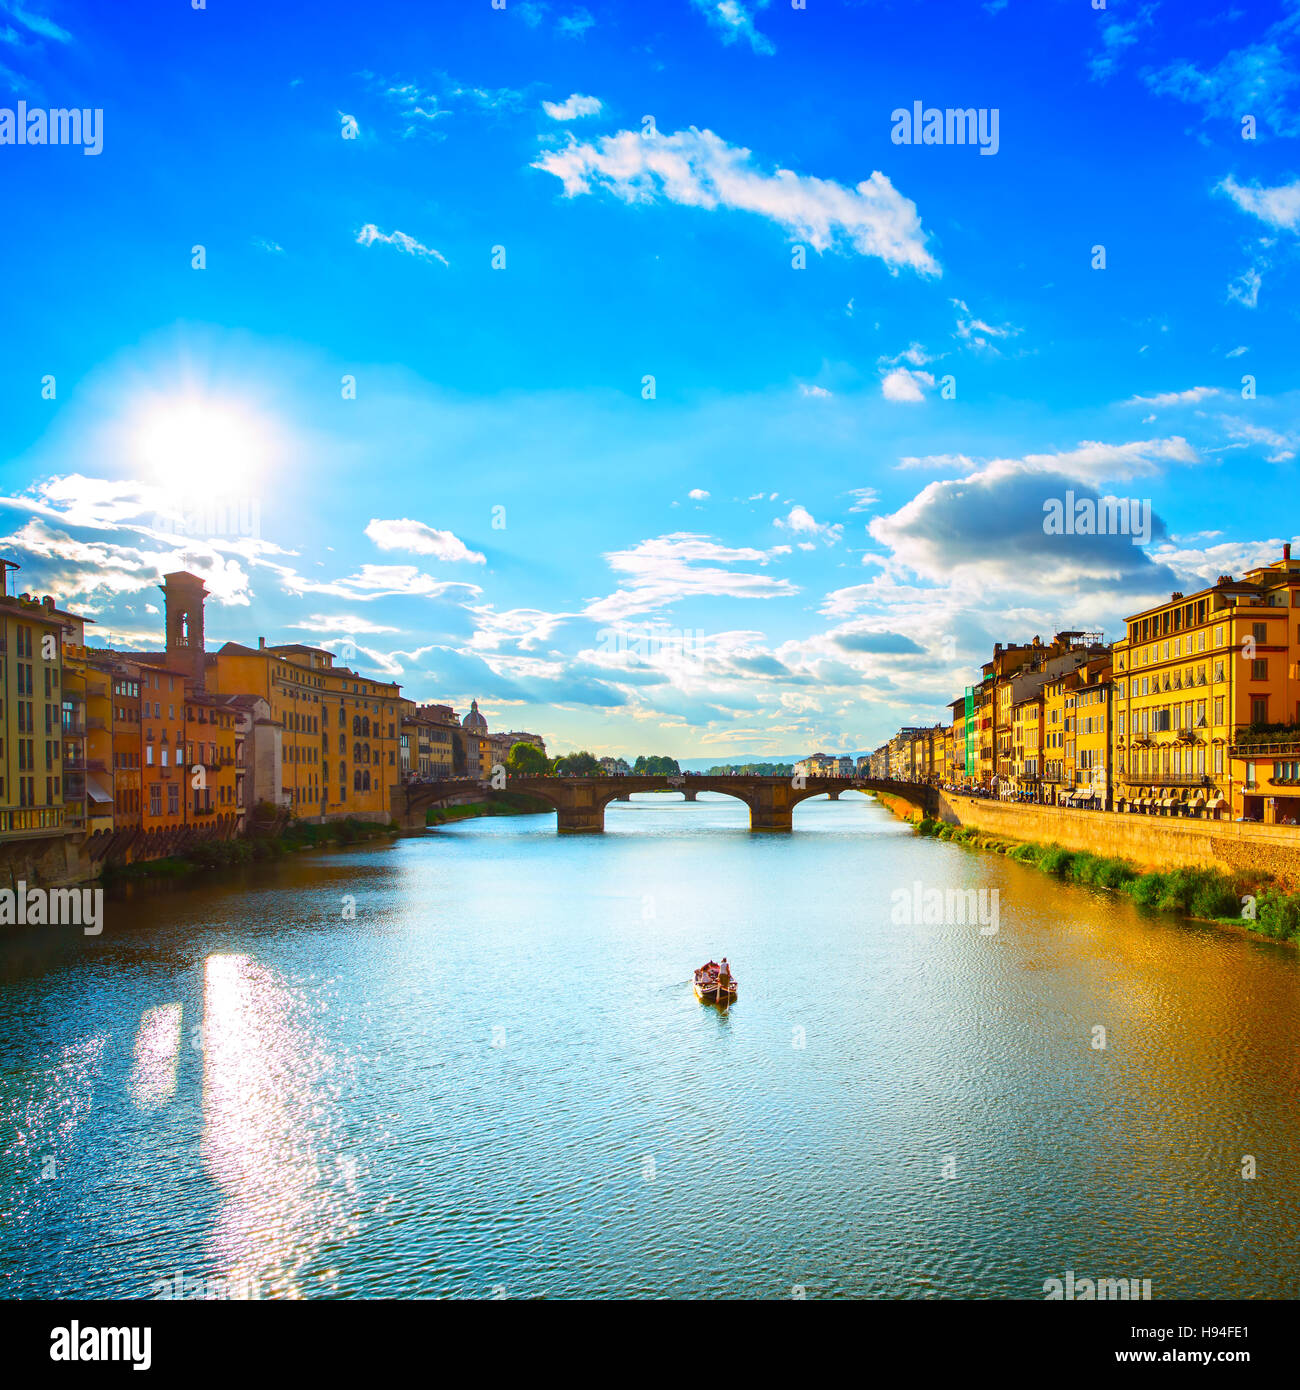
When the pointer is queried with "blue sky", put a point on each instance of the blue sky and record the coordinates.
(802, 540)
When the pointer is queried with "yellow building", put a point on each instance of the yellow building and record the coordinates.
(1088, 725)
(1027, 750)
(87, 689)
(1058, 748)
(32, 716)
(341, 730)
(1198, 681)
(211, 798)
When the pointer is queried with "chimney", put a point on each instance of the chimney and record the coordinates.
(261, 644)
(1286, 551)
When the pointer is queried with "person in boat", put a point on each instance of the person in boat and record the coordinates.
(724, 971)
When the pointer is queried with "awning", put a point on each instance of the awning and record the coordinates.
(96, 789)
(1217, 804)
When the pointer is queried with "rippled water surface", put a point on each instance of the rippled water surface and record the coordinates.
(471, 1063)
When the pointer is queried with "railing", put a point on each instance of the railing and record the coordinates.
(1261, 752)
(1168, 779)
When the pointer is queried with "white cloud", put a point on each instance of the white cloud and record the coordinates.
(370, 234)
(801, 521)
(348, 126)
(576, 105)
(938, 463)
(682, 565)
(415, 536)
(1116, 36)
(904, 385)
(340, 622)
(695, 168)
(1257, 79)
(376, 582)
(976, 331)
(735, 22)
(576, 24)
(1283, 446)
(864, 498)
(1245, 288)
(1278, 206)
(817, 392)
(1191, 396)
(522, 628)
(698, 494)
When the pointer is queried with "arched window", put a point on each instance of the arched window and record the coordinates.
(356, 780)
(356, 724)
(365, 752)
(365, 726)
(343, 777)
(365, 781)
(343, 719)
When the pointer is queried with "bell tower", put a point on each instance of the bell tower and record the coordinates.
(183, 596)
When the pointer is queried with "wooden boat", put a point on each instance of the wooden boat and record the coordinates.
(715, 984)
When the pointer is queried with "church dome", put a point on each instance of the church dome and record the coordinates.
(474, 720)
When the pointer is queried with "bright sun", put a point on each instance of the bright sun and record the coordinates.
(196, 445)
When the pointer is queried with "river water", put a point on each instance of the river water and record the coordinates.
(471, 1064)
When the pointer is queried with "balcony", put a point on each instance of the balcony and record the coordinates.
(32, 821)
(93, 721)
(1170, 779)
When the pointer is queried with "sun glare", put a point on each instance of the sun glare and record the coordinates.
(198, 445)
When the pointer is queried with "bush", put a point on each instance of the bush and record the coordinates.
(1114, 873)
(1057, 860)
(1148, 889)
(1278, 915)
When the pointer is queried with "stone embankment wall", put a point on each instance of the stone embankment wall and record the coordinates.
(1153, 842)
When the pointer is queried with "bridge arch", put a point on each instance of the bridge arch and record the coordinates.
(580, 802)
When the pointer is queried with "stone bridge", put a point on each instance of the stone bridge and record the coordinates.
(580, 801)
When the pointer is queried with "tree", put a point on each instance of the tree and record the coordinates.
(527, 760)
(581, 764)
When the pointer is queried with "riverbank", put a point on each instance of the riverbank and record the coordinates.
(250, 849)
(1244, 901)
(303, 835)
